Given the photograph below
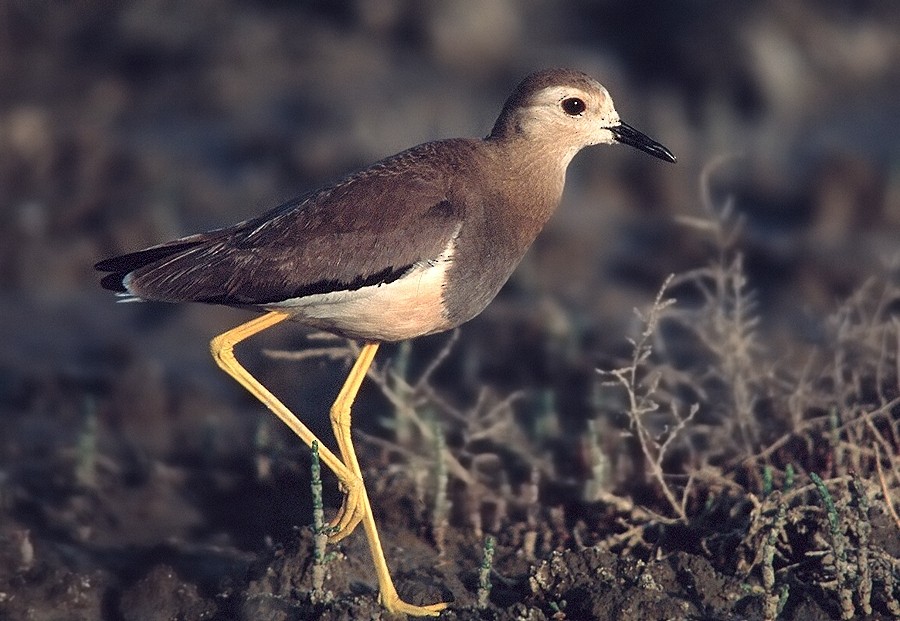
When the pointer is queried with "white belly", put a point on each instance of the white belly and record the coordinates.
(405, 308)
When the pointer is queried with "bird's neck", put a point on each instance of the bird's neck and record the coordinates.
(521, 187)
(532, 177)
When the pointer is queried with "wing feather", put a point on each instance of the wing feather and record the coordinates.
(368, 228)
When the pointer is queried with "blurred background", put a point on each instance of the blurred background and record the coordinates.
(125, 124)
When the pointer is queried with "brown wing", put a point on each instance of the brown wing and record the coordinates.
(367, 229)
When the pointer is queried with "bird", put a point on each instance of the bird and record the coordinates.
(417, 243)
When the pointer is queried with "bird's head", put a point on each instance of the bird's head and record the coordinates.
(568, 109)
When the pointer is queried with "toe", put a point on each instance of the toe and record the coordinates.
(401, 607)
(349, 516)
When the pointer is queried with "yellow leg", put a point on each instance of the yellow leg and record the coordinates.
(223, 352)
(356, 506)
(340, 422)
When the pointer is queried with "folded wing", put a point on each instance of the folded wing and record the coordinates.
(368, 229)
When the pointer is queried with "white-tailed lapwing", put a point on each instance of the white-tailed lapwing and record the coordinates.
(415, 244)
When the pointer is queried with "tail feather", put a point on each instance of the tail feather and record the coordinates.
(123, 265)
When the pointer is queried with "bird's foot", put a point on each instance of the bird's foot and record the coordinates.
(351, 513)
(396, 605)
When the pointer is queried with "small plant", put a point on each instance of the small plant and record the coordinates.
(845, 572)
(861, 528)
(766, 480)
(484, 572)
(773, 600)
(641, 386)
(320, 531)
(600, 467)
(86, 468)
(558, 608)
(262, 441)
(788, 478)
(440, 515)
(404, 425)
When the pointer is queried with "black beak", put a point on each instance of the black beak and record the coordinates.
(626, 134)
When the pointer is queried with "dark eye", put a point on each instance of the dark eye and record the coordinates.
(573, 106)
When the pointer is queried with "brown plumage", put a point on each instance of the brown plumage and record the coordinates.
(417, 243)
(487, 198)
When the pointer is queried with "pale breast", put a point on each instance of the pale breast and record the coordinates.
(411, 306)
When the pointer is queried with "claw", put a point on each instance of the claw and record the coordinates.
(350, 514)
